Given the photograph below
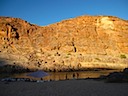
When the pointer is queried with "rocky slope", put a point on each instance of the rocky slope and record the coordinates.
(74, 44)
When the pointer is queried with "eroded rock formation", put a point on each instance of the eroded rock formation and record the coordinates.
(74, 44)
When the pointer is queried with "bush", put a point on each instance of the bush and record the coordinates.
(98, 59)
(123, 56)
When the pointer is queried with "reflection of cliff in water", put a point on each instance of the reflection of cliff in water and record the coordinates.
(68, 75)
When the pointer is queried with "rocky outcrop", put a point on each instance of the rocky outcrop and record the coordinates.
(116, 77)
(73, 44)
(91, 35)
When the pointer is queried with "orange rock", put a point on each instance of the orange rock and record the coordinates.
(99, 35)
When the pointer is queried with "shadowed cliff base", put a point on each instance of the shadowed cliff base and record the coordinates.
(6, 69)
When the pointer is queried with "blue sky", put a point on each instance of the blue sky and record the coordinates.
(44, 12)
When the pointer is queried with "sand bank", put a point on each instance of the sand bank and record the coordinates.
(64, 88)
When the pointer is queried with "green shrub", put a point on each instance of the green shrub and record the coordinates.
(67, 56)
(98, 59)
(123, 56)
(68, 53)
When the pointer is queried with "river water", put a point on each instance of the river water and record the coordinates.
(68, 75)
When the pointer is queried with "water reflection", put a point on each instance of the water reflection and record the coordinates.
(68, 75)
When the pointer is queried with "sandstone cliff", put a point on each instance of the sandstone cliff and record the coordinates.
(74, 44)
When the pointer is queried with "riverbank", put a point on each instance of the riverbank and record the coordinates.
(63, 88)
(55, 76)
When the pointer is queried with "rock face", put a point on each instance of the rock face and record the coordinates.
(74, 44)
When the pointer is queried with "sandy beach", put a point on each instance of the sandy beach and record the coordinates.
(64, 88)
